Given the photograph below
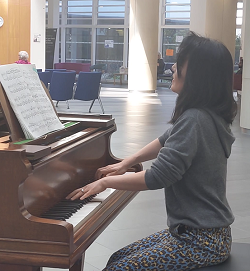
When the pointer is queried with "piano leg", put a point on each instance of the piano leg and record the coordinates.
(11, 267)
(78, 266)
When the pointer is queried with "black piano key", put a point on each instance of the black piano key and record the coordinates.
(59, 214)
(56, 216)
(65, 208)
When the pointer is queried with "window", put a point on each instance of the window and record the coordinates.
(175, 27)
(239, 13)
(239, 17)
(60, 12)
(46, 12)
(177, 12)
(111, 12)
(79, 12)
(78, 45)
(172, 38)
(109, 48)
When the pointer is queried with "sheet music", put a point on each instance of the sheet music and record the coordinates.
(29, 100)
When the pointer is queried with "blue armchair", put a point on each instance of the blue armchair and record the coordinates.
(88, 88)
(62, 85)
(45, 77)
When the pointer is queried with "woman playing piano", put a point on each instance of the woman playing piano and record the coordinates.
(190, 164)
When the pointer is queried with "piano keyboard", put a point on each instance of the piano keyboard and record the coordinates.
(76, 212)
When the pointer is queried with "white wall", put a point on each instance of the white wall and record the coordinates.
(37, 27)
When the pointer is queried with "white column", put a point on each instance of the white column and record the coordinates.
(63, 30)
(143, 45)
(198, 16)
(245, 97)
(215, 19)
(94, 31)
(53, 22)
(37, 27)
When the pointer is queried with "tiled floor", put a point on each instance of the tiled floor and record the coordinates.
(140, 118)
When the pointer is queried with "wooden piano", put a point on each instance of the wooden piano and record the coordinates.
(37, 175)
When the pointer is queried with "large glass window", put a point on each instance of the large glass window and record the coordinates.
(175, 27)
(78, 45)
(79, 12)
(237, 49)
(109, 48)
(177, 12)
(46, 12)
(239, 13)
(95, 30)
(172, 38)
(239, 17)
(111, 12)
(60, 12)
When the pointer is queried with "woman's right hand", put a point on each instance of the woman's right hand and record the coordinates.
(111, 170)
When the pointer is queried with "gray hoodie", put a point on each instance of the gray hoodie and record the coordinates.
(192, 167)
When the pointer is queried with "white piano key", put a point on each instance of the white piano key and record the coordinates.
(78, 218)
(82, 213)
(103, 195)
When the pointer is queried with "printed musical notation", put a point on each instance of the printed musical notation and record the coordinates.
(29, 100)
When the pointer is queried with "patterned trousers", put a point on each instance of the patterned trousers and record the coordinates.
(178, 249)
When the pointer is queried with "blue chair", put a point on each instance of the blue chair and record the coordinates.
(54, 70)
(88, 88)
(39, 70)
(45, 77)
(61, 86)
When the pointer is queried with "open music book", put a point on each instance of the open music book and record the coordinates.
(29, 101)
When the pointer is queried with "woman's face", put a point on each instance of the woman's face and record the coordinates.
(178, 82)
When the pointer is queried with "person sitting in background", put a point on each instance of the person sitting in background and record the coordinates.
(23, 58)
(98, 67)
(240, 66)
(160, 64)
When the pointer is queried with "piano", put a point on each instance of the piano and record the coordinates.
(37, 175)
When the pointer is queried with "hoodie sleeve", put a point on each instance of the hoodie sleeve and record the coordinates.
(177, 154)
(162, 139)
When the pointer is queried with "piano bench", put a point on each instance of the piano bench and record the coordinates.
(239, 260)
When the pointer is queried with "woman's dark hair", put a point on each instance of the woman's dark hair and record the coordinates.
(209, 78)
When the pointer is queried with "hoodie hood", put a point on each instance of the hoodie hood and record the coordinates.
(224, 132)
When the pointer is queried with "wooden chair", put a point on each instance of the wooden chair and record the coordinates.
(237, 83)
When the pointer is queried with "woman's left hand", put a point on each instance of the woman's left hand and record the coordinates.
(87, 190)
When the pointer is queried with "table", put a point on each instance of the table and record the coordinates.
(121, 76)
